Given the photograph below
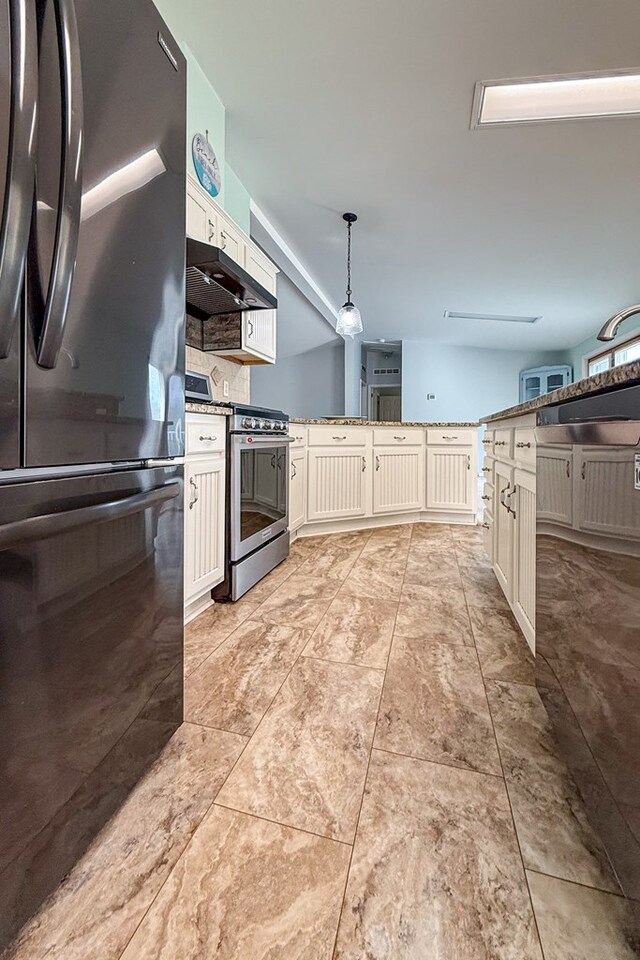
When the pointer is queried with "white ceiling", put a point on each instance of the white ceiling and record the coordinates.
(361, 105)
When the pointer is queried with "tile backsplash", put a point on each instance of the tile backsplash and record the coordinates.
(220, 369)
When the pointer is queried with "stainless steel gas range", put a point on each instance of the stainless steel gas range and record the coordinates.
(257, 537)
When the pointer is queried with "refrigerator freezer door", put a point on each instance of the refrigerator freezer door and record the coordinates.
(90, 662)
(18, 91)
(105, 372)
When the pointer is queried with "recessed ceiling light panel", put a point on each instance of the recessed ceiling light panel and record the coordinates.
(543, 99)
(460, 315)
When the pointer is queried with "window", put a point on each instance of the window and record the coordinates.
(624, 353)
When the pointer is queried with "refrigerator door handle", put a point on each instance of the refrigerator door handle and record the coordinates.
(53, 524)
(16, 220)
(70, 200)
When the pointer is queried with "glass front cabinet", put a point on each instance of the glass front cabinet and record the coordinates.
(539, 380)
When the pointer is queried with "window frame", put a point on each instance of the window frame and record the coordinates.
(611, 352)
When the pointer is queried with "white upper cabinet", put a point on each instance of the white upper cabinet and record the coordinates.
(252, 337)
(230, 240)
(202, 215)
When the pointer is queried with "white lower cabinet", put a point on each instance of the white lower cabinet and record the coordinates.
(204, 525)
(379, 472)
(338, 483)
(503, 529)
(510, 518)
(555, 469)
(523, 502)
(451, 478)
(297, 488)
(204, 508)
(398, 479)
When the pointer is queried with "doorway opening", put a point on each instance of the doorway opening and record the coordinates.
(381, 381)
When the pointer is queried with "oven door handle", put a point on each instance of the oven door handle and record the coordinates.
(272, 441)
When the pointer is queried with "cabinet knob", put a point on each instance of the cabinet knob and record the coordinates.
(487, 526)
(399, 438)
(522, 444)
(213, 439)
(485, 497)
(212, 230)
(364, 464)
(339, 438)
(223, 239)
(444, 437)
(486, 469)
(377, 462)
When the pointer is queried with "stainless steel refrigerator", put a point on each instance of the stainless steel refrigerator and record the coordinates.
(92, 183)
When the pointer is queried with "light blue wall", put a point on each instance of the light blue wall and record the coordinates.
(309, 384)
(469, 382)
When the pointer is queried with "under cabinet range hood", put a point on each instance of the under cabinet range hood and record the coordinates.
(217, 285)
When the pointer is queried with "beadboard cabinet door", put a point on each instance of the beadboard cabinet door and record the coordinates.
(451, 478)
(398, 479)
(338, 483)
(259, 326)
(297, 488)
(204, 525)
(504, 530)
(604, 496)
(523, 502)
(554, 467)
(202, 216)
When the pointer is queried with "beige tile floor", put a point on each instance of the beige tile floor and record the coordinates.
(365, 772)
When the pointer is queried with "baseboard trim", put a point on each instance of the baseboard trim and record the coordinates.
(318, 528)
(196, 607)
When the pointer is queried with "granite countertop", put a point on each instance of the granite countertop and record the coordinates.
(628, 373)
(356, 422)
(208, 408)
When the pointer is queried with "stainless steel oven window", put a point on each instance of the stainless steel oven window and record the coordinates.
(259, 491)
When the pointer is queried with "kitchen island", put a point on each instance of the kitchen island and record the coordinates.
(509, 494)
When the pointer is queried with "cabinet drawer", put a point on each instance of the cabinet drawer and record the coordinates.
(338, 436)
(503, 443)
(205, 434)
(488, 441)
(452, 437)
(398, 436)
(299, 434)
(525, 446)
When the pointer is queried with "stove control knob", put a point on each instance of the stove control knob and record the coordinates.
(254, 423)
(246, 423)
(261, 424)
(269, 424)
(281, 424)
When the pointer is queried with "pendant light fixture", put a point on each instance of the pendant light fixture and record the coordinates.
(349, 320)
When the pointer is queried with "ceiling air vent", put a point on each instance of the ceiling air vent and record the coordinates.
(503, 318)
(386, 370)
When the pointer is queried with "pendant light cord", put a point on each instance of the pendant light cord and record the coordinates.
(349, 262)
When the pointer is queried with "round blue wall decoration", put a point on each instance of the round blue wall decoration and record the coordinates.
(206, 163)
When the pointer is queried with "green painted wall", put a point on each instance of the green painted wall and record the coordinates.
(236, 199)
(205, 111)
